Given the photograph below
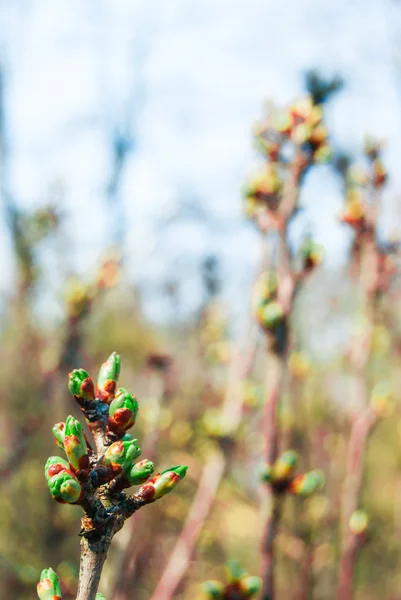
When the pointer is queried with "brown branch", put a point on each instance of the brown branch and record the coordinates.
(361, 429)
(363, 424)
(348, 559)
(184, 547)
(91, 565)
(276, 367)
(210, 479)
(270, 432)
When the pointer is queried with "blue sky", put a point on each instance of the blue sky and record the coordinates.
(190, 78)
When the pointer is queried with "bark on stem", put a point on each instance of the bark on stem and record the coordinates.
(268, 547)
(275, 377)
(347, 567)
(90, 570)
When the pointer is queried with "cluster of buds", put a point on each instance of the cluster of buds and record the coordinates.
(48, 587)
(114, 411)
(119, 460)
(358, 212)
(281, 476)
(239, 585)
(300, 126)
(267, 309)
(213, 334)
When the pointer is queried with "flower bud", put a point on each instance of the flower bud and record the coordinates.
(123, 411)
(65, 487)
(48, 587)
(58, 432)
(271, 315)
(214, 589)
(135, 474)
(234, 571)
(140, 472)
(284, 466)
(108, 377)
(358, 522)
(311, 254)
(75, 445)
(121, 455)
(55, 465)
(81, 386)
(162, 483)
(250, 585)
(100, 597)
(307, 483)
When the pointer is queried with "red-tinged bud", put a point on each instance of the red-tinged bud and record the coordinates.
(120, 455)
(307, 484)
(48, 587)
(58, 432)
(136, 474)
(250, 585)
(108, 378)
(123, 411)
(55, 465)
(81, 386)
(75, 446)
(162, 483)
(284, 466)
(65, 487)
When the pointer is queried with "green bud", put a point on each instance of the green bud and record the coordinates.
(55, 465)
(162, 483)
(65, 487)
(48, 587)
(358, 522)
(234, 571)
(75, 445)
(250, 585)
(58, 432)
(81, 385)
(284, 466)
(271, 314)
(140, 472)
(214, 589)
(108, 377)
(307, 483)
(100, 597)
(120, 455)
(123, 411)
